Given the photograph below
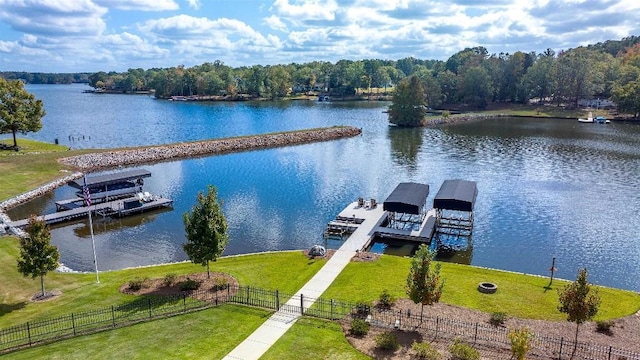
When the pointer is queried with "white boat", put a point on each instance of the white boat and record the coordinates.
(587, 120)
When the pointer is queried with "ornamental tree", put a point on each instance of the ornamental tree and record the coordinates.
(37, 255)
(424, 285)
(579, 301)
(19, 110)
(206, 229)
(409, 106)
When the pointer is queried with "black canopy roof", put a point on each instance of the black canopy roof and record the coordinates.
(101, 180)
(408, 198)
(456, 195)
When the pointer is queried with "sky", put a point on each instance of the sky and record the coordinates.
(116, 35)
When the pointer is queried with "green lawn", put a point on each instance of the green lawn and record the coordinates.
(518, 295)
(286, 271)
(35, 164)
(206, 334)
(316, 339)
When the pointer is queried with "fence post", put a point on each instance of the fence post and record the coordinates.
(248, 294)
(149, 302)
(561, 343)
(301, 304)
(184, 301)
(29, 333)
(475, 336)
(73, 324)
(437, 323)
(113, 316)
(216, 297)
(277, 300)
(332, 304)
(610, 352)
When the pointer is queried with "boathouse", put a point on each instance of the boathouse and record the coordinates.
(454, 204)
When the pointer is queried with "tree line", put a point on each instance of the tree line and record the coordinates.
(608, 70)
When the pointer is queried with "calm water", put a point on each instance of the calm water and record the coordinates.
(547, 188)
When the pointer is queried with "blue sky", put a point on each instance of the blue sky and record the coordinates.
(115, 35)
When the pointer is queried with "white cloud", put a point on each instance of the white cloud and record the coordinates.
(305, 10)
(130, 45)
(275, 23)
(142, 5)
(194, 4)
(55, 18)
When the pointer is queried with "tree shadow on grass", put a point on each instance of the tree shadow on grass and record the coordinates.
(8, 308)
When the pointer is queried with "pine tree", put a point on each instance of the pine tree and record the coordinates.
(37, 255)
(409, 106)
(206, 229)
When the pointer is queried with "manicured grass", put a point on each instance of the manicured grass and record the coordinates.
(206, 334)
(35, 164)
(313, 339)
(286, 271)
(518, 295)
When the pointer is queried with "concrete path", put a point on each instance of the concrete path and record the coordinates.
(271, 330)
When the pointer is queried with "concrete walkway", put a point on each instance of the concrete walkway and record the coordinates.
(271, 330)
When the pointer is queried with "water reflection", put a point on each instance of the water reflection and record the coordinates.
(405, 145)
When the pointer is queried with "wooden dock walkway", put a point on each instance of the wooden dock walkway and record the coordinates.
(110, 208)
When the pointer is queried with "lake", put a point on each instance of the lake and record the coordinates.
(546, 188)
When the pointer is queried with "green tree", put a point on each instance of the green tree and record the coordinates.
(408, 107)
(19, 110)
(579, 301)
(37, 255)
(627, 97)
(475, 87)
(206, 229)
(424, 284)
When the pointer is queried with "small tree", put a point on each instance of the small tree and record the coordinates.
(206, 230)
(408, 107)
(19, 110)
(579, 301)
(37, 255)
(520, 342)
(424, 285)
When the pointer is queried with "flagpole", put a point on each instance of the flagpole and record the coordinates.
(87, 199)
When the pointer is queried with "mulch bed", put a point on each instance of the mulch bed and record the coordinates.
(158, 286)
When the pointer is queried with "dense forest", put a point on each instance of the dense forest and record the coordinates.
(608, 70)
(46, 78)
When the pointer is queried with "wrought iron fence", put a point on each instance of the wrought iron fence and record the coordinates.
(156, 306)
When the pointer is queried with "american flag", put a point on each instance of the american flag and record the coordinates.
(85, 193)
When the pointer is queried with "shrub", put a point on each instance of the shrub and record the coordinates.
(359, 327)
(604, 326)
(189, 285)
(386, 299)
(461, 351)
(137, 284)
(169, 279)
(446, 114)
(220, 284)
(425, 351)
(520, 342)
(386, 341)
(498, 318)
(363, 307)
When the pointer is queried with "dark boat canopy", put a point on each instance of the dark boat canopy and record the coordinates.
(457, 195)
(407, 198)
(103, 180)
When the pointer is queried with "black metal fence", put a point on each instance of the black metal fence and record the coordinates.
(157, 306)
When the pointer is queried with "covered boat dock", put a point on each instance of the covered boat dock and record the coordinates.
(454, 204)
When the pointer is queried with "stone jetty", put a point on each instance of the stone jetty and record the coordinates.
(146, 155)
(431, 121)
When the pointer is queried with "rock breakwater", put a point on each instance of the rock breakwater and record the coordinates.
(460, 118)
(145, 155)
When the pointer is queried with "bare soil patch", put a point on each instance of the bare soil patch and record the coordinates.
(625, 333)
(48, 295)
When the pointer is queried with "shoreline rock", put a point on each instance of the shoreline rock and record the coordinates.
(461, 118)
(153, 154)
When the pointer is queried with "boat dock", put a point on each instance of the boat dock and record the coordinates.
(403, 217)
(110, 195)
(117, 208)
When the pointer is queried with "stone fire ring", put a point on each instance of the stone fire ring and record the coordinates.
(487, 287)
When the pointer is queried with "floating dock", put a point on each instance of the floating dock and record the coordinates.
(116, 208)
